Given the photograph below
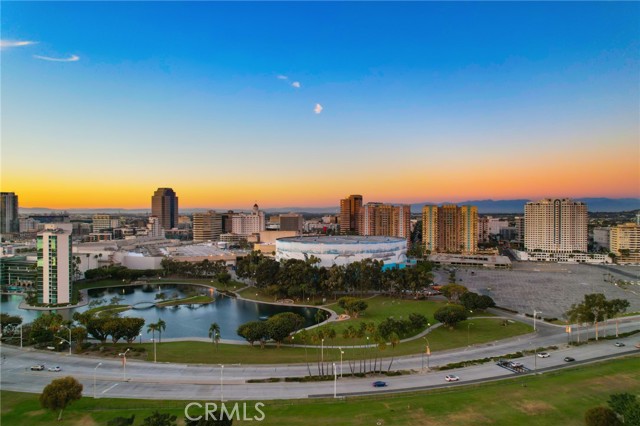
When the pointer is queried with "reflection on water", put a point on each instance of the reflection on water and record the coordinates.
(183, 320)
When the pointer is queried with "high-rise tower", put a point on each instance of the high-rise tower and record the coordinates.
(164, 205)
(349, 214)
(9, 221)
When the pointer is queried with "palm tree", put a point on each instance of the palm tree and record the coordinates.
(153, 327)
(214, 333)
(394, 339)
(161, 327)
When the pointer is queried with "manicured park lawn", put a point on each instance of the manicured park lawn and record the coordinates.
(481, 331)
(551, 399)
(186, 301)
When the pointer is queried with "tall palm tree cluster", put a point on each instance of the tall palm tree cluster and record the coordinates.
(159, 327)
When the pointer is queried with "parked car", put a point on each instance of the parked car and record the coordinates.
(451, 378)
(37, 367)
(379, 384)
(543, 355)
(515, 364)
(569, 359)
(619, 344)
(55, 369)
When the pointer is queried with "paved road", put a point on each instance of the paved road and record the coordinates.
(181, 381)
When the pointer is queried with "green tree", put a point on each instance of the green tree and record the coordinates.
(450, 315)
(627, 407)
(595, 308)
(211, 419)
(453, 292)
(601, 416)
(214, 333)
(160, 419)
(254, 331)
(58, 394)
(280, 326)
(152, 328)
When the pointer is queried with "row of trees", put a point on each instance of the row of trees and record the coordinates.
(596, 308)
(303, 278)
(203, 269)
(101, 327)
(118, 272)
(462, 301)
(276, 328)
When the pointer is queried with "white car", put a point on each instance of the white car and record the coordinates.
(451, 378)
(543, 355)
(55, 369)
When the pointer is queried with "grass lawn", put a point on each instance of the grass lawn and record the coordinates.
(481, 331)
(186, 301)
(109, 308)
(551, 399)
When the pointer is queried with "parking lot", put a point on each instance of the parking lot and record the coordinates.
(551, 287)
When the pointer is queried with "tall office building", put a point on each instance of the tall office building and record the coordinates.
(9, 221)
(385, 220)
(207, 226)
(450, 228)
(55, 269)
(247, 224)
(164, 205)
(624, 242)
(349, 214)
(291, 222)
(104, 221)
(555, 226)
(519, 220)
(154, 227)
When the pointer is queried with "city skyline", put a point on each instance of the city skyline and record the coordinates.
(417, 102)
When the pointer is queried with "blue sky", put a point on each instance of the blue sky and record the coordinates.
(410, 92)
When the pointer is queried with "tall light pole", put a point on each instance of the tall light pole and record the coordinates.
(535, 316)
(94, 379)
(65, 340)
(222, 381)
(20, 336)
(468, 327)
(124, 363)
(154, 348)
(322, 351)
(427, 350)
(341, 353)
(335, 381)
(140, 335)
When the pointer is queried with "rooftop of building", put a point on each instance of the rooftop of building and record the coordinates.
(342, 239)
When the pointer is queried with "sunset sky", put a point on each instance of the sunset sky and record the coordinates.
(301, 104)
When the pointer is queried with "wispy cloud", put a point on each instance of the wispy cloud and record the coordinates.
(72, 58)
(282, 77)
(318, 109)
(296, 84)
(15, 43)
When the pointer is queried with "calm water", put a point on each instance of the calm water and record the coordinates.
(182, 321)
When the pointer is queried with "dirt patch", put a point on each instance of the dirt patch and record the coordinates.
(85, 420)
(467, 417)
(35, 413)
(534, 407)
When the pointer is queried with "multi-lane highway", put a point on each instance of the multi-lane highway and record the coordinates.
(203, 382)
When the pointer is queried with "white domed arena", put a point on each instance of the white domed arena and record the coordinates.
(344, 249)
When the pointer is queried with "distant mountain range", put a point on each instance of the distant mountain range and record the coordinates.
(484, 206)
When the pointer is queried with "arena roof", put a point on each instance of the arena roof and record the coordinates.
(341, 239)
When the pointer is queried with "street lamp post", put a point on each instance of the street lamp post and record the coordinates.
(154, 348)
(335, 381)
(124, 364)
(63, 339)
(21, 336)
(140, 337)
(322, 351)
(535, 316)
(94, 379)
(341, 353)
(468, 327)
(427, 350)
(222, 381)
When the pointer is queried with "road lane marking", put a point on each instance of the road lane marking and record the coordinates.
(110, 387)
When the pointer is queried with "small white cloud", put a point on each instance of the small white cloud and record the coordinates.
(318, 109)
(15, 43)
(296, 84)
(282, 77)
(72, 58)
